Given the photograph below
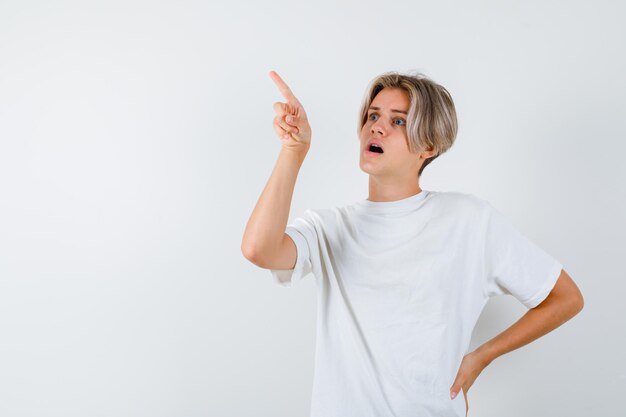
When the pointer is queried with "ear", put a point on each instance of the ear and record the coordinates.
(428, 154)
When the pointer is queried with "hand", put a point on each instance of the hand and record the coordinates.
(291, 123)
(471, 366)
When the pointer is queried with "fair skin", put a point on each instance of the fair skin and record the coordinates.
(393, 176)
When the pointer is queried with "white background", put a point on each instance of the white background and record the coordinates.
(136, 138)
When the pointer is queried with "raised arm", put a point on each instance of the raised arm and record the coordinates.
(264, 241)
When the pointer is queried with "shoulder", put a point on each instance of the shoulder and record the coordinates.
(319, 216)
(317, 213)
(462, 207)
(459, 200)
(326, 220)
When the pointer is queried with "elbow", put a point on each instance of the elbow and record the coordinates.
(574, 304)
(248, 251)
(577, 300)
(579, 303)
(569, 292)
(252, 254)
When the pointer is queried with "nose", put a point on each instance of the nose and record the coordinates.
(377, 127)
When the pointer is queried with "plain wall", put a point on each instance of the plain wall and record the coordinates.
(136, 138)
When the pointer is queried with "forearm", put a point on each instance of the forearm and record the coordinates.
(267, 223)
(536, 322)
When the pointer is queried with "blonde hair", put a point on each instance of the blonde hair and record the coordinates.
(431, 119)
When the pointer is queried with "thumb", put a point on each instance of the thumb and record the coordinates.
(279, 107)
(456, 387)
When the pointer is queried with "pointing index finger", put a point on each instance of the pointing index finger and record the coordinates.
(282, 86)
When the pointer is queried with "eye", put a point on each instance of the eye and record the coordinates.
(402, 120)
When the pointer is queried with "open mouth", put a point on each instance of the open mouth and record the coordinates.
(375, 148)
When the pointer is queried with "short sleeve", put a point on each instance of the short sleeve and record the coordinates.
(514, 264)
(302, 231)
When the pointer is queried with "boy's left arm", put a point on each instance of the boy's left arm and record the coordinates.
(564, 302)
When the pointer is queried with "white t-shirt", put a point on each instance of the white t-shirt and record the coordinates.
(400, 286)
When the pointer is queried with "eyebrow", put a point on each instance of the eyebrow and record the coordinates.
(393, 110)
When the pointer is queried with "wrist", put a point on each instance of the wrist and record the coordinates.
(486, 354)
(298, 153)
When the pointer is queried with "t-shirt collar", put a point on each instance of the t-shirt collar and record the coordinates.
(392, 206)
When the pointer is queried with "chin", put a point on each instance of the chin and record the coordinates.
(366, 169)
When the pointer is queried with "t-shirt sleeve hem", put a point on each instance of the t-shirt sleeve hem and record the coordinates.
(287, 277)
(545, 291)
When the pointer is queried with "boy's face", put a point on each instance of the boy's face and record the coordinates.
(388, 128)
